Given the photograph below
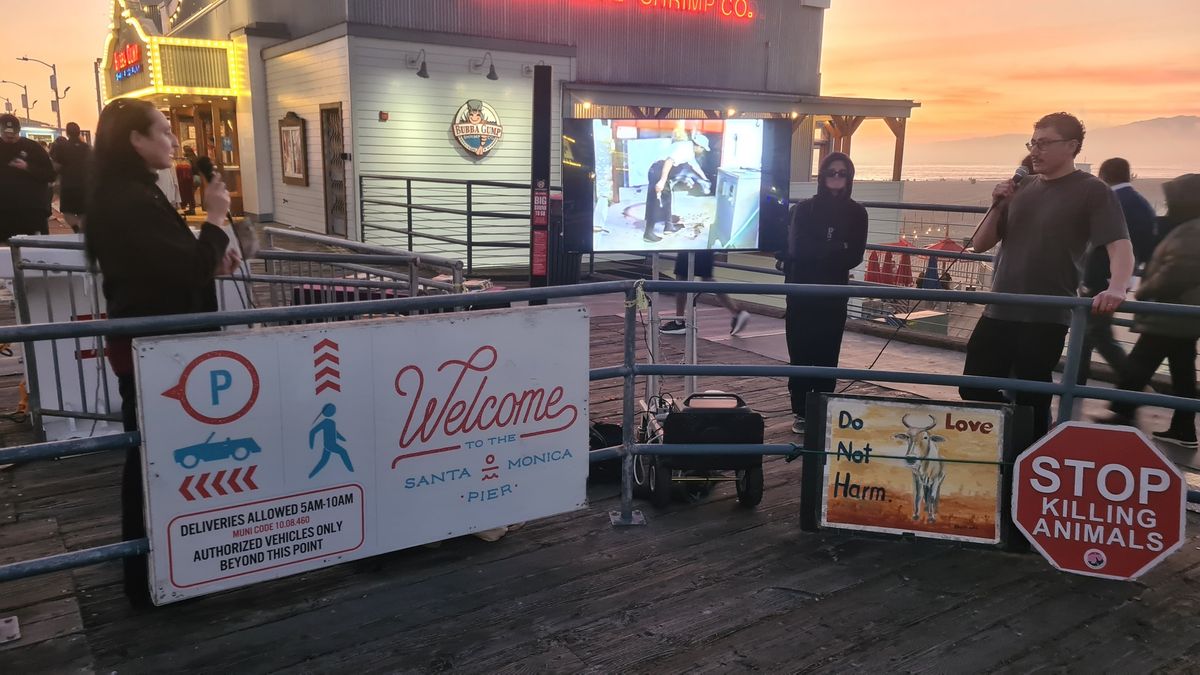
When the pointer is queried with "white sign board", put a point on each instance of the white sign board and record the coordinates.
(277, 451)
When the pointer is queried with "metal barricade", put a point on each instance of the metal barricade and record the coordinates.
(72, 391)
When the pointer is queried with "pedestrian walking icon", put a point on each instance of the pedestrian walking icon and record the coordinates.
(326, 427)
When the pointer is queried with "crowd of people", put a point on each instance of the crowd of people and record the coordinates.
(1062, 233)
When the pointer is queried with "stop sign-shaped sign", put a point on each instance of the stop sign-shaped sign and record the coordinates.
(1099, 500)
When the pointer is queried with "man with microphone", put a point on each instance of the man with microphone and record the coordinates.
(1045, 223)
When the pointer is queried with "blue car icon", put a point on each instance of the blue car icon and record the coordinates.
(210, 451)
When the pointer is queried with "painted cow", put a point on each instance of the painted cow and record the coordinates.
(924, 460)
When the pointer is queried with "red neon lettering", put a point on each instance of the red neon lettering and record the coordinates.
(127, 56)
(453, 415)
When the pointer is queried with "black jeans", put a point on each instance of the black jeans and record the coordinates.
(1024, 350)
(133, 520)
(814, 338)
(1148, 352)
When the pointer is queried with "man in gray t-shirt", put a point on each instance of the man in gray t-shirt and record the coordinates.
(1045, 226)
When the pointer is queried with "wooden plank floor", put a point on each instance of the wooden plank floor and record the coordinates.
(705, 586)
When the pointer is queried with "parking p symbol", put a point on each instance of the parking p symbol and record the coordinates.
(220, 381)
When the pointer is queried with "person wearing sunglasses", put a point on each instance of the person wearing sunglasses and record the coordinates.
(1046, 225)
(827, 238)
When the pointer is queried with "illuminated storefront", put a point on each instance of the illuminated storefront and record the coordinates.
(194, 82)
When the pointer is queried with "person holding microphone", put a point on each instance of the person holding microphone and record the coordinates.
(152, 264)
(1045, 224)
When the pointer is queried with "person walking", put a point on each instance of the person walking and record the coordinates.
(1172, 276)
(1139, 220)
(151, 263)
(826, 239)
(738, 317)
(25, 177)
(72, 157)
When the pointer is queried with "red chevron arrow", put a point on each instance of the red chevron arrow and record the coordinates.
(329, 385)
(327, 356)
(183, 489)
(328, 371)
(216, 483)
(246, 479)
(200, 486)
(233, 480)
(323, 344)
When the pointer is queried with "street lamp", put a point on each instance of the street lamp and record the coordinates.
(24, 96)
(54, 105)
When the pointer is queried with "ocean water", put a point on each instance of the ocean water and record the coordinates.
(984, 172)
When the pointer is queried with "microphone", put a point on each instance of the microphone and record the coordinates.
(244, 232)
(1019, 174)
(205, 166)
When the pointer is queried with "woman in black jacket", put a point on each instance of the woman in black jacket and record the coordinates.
(151, 263)
(827, 238)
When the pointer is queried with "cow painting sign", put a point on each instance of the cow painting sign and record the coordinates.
(276, 451)
(883, 472)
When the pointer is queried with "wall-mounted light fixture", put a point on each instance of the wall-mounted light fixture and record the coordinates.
(476, 66)
(417, 62)
(527, 69)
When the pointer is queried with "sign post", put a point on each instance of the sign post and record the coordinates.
(1099, 500)
(277, 451)
(539, 209)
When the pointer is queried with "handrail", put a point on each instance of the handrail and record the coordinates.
(630, 369)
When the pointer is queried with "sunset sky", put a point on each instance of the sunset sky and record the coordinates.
(978, 68)
(986, 68)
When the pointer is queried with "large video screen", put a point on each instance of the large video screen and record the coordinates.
(674, 185)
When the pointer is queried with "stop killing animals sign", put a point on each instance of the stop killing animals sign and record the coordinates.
(1099, 500)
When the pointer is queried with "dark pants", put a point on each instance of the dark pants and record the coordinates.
(1099, 337)
(1026, 351)
(1148, 352)
(23, 221)
(814, 338)
(133, 523)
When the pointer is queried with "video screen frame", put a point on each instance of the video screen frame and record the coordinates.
(724, 178)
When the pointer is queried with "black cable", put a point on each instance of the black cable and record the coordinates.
(903, 325)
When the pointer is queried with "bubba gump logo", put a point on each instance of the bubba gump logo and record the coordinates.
(477, 127)
(474, 404)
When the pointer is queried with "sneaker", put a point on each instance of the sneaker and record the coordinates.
(738, 322)
(1181, 438)
(651, 238)
(673, 328)
(798, 425)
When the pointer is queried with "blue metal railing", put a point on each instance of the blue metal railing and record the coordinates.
(629, 370)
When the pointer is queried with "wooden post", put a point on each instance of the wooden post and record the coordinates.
(897, 125)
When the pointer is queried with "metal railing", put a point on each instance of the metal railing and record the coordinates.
(448, 217)
(629, 370)
(70, 382)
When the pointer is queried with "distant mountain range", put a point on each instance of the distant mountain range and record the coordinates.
(1162, 142)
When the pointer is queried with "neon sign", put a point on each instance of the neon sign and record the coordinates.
(127, 61)
(732, 10)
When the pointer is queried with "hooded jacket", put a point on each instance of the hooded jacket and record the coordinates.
(1173, 274)
(827, 236)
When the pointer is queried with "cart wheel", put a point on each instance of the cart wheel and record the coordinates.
(750, 487)
(660, 483)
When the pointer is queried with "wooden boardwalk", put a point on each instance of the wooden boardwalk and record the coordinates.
(705, 586)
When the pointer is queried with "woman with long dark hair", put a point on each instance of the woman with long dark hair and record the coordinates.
(826, 239)
(152, 264)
